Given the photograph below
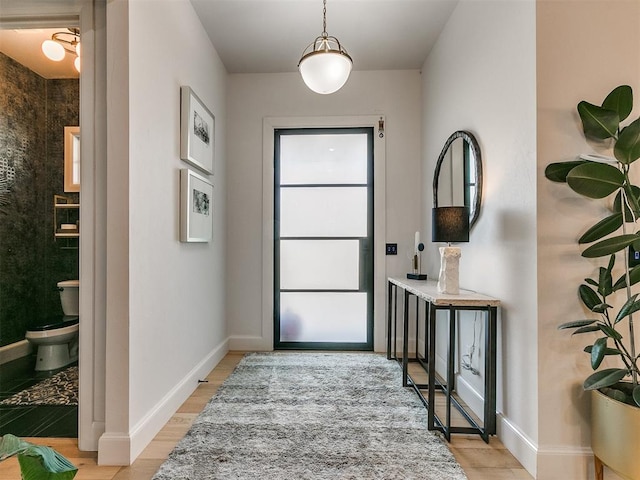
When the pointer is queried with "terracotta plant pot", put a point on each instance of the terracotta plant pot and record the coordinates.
(615, 436)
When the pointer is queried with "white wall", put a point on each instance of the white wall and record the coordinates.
(574, 64)
(395, 94)
(480, 77)
(166, 324)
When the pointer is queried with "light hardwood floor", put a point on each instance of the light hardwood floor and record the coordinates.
(479, 460)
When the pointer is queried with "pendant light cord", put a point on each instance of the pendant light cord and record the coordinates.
(324, 19)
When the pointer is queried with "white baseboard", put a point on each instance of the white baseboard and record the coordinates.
(520, 446)
(15, 350)
(573, 462)
(247, 343)
(115, 448)
(90, 443)
(472, 397)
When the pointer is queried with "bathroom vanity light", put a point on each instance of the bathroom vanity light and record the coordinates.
(62, 42)
(325, 64)
(450, 224)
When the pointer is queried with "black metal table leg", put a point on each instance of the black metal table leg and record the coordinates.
(427, 310)
(491, 330)
(431, 363)
(416, 349)
(392, 342)
(451, 352)
(405, 340)
(389, 309)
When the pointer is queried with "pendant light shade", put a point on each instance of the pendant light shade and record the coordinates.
(61, 43)
(53, 50)
(325, 65)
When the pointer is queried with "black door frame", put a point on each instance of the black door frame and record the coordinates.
(366, 283)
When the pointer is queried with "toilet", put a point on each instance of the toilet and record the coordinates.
(57, 342)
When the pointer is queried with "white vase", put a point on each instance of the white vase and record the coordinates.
(449, 279)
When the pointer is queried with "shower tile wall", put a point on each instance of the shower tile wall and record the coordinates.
(33, 114)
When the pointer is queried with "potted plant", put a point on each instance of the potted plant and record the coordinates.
(608, 295)
(37, 462)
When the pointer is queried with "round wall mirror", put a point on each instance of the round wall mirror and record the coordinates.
(457, 180)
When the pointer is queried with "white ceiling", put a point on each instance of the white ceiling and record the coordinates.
(269, 36)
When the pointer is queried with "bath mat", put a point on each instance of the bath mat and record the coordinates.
(312, 416)
(60, 389)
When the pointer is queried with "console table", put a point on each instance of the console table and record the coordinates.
(427, 292)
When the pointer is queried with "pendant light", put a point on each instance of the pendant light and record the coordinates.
(62, 42)
(325, 64)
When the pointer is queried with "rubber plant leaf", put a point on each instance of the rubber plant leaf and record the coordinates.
(601, 308)
(588, 329)
(576, 324)
(597, 122)
(591, 281)
(610, 331)
(597, 352)
(630, 306)
(636, 395)
(620, 100)
(604, 378)
(617, 202)
(634, 277)
(39, 462)
(607, 351)
(617, 395)
(632, 199)
(588, 296)
(603, 228)
(609, 246)
(595, 180)
(605, 282)
(612, 262)
(627, 149)
(557, 172)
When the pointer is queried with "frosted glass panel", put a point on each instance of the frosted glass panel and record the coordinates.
(323, 212)
(314, 159)
(323, 317)
(319, 264)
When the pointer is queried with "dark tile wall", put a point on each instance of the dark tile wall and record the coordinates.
(33, 114)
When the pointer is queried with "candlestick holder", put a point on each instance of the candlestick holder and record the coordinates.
(417, 265)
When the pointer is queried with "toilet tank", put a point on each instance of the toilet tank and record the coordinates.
(69, 296)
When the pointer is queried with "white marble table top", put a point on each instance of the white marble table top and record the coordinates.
(428, 290)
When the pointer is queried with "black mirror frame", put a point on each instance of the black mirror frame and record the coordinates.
(476, 152)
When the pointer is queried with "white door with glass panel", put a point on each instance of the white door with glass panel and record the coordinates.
(323, 238)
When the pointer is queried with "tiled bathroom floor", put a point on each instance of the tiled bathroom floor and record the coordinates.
(36, 421)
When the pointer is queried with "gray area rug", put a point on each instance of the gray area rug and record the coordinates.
(60, 389)
(312, 416)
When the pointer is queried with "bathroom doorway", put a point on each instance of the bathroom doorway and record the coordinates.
(90, 17)
(39, 99)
